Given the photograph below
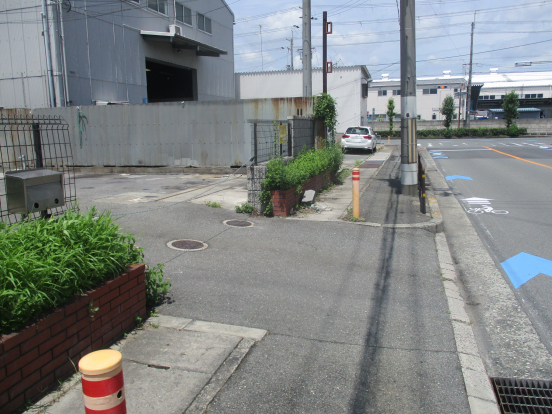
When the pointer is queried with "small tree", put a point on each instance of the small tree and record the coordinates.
(447, 110)
(391, 114)
(510, 105)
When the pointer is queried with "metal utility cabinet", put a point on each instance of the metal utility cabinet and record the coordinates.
(29, 191)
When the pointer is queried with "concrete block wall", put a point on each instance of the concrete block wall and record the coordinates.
(37, 357)
(255, 175)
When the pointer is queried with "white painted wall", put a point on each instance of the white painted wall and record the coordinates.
(344, 85)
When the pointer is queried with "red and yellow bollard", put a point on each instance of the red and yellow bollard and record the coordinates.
(103, 385)
(356, 192)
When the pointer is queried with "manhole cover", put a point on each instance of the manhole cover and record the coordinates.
(238, 223)
(523, 396)
(187, 245)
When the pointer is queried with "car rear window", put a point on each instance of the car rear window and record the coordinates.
(359, 131)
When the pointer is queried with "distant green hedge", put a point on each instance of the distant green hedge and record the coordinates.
(513, 131)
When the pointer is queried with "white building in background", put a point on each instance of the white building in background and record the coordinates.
(430, 93)
(533, 88)
(348, 85)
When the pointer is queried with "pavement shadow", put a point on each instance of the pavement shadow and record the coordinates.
(370, 375)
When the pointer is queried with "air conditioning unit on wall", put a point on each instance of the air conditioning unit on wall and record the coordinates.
(174, 29)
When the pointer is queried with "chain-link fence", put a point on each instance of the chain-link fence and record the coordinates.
(31, 150)
(270, 139)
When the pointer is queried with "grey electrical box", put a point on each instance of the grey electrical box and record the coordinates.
(29, 191)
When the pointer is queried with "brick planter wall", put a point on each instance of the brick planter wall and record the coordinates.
(284, 200)
(38, 356)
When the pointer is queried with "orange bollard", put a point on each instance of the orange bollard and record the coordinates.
(103, 383)
(388, 139)
(356, 192)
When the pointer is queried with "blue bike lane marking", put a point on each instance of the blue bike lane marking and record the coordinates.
(459, 177)
(524, 266)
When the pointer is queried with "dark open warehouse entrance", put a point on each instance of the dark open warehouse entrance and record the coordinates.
(168, 83)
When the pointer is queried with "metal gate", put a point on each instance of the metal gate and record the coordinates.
(29, 143)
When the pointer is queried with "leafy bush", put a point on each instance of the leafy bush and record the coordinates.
(43, 263)
(460, 132)
(156, 287)
(495, 132)
(325, 109)
(385, 134)
(282, 176)
(513, 130)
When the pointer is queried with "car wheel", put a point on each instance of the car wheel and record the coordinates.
(375, 148)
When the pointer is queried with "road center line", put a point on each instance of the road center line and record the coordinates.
(522, 159)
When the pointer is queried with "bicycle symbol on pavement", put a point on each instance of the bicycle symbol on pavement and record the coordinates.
(485, 204)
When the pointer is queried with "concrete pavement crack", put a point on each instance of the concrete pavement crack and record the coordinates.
(360, 345)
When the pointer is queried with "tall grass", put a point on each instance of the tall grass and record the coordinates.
(43, 263)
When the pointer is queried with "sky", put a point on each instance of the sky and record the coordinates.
(366, 32)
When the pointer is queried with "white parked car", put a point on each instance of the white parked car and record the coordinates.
(359, 137)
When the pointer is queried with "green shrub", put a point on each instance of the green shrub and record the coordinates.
(282, 176)
(448, 133)
(513, 130)
(495, 132)
(385, 134)
(244, 208)
(156, 287)
(522, 131)
(460, 132)
(44, 263)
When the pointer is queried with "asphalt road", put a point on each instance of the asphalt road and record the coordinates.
(505, 187)
(356, 316)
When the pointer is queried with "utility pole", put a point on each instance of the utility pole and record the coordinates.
(325, 53)
(291, 40)
(326, 29)
(47, 47)
(291, 50)
(262, 59)
(307, 54)
(409, 113)
(468, 100)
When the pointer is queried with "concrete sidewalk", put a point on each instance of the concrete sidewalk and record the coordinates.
(361, 317)
(172, 365)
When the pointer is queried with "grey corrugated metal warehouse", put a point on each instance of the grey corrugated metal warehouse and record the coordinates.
(348, 85)
(114, 51)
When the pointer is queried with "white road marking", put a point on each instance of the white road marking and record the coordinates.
(477, 200)
(467, 149)
(519, 145)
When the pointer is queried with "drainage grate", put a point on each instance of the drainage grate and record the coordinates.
(238, 223)
(523, 396)
(187, 245)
